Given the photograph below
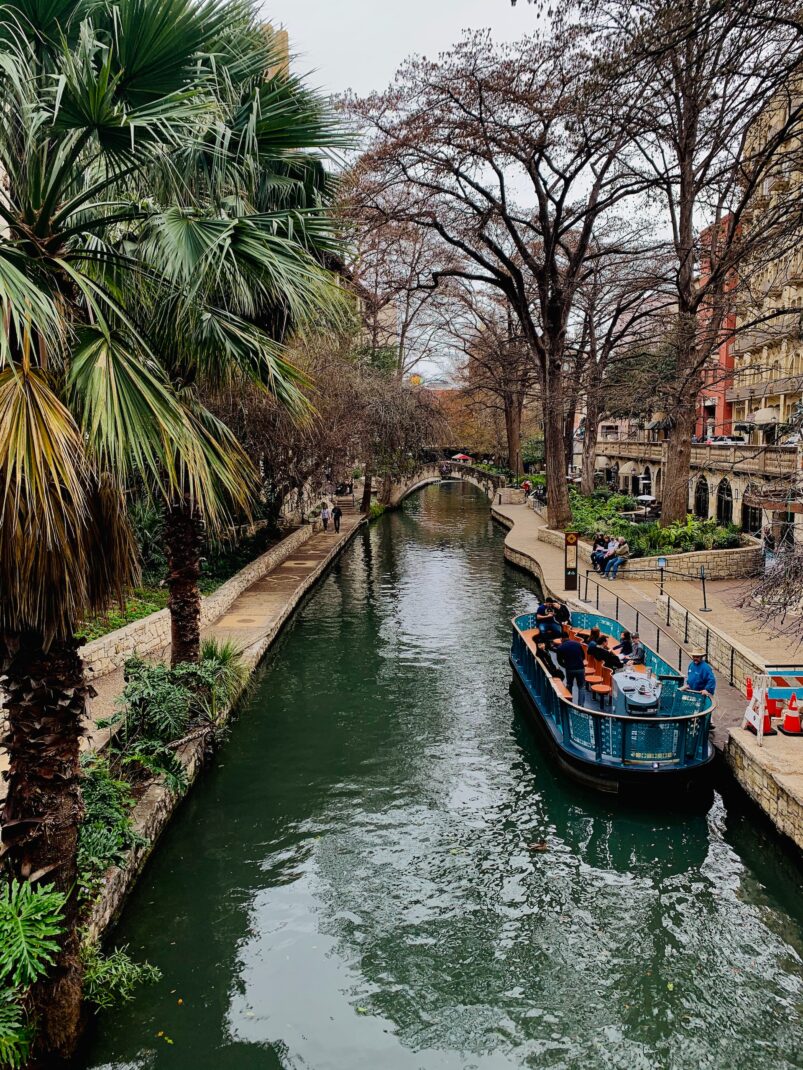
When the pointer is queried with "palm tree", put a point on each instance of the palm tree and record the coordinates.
(103, 106)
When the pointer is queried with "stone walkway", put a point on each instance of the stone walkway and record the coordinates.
(252, 622)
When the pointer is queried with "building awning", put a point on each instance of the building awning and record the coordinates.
(743, 427)
(762, 417)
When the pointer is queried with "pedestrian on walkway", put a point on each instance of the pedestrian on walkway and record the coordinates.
(700, 675)
(325, 516)
(337, 513)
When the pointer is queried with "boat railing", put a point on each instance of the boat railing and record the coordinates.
(676, 735)
(629, 617)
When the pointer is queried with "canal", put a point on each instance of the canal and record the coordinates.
(350, 886)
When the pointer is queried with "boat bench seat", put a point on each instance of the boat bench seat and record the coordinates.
(561, 688)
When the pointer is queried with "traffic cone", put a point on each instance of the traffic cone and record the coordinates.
(791, 719)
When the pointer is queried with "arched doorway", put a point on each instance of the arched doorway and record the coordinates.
(701, 498)
(724, 502)
(752, 520)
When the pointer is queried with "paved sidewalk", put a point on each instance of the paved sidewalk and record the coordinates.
(252, 622)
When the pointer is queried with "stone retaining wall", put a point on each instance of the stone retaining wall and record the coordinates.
(733, 564)
(111, 651)
(783, 806)
(154, 810)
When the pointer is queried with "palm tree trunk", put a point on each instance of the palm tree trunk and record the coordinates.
(45, 701)
(184, 538)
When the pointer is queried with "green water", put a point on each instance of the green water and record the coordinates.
(350, 888)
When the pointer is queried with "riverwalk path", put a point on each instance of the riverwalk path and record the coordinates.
(769, 770)
(252, 622)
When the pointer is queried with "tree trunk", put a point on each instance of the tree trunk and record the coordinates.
(593, 398)
(559, 513)
(513, 410)
(386, 489)
(675, 492)
(184, 538)
(45, 702)
(568, 432)
(365, 505)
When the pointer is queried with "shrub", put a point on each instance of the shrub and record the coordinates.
(375, 510)
(15, 1033)
(106, 833)
(111, 978)
(30, 923)
(600, 512)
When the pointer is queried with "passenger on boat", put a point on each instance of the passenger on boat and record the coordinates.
(561, 611)
(543, 645)
(700, 675)
(624, 648)
(599, 649)
(637, 655)
(545, 620)
(572, 657)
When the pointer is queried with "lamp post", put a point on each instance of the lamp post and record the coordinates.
(661, 567)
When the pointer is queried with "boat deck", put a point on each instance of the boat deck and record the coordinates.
(672, 737)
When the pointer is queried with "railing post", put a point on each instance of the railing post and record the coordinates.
(668, 609)
(707, 637)
(597, 594)
(686, 629)
(684, 727)
(637, 620)
(617, 607)
(733, 651)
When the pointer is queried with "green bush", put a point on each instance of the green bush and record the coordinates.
(375, 510)
(15, 1032)
(111, 978)
(31, 921)
(106, 833)
(600, 512)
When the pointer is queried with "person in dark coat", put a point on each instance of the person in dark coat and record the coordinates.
(599, 649)
(571, 656)
(337, 513)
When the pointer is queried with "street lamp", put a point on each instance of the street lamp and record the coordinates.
(661, 567)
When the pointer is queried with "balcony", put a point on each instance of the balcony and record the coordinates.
(754, 460)
(788, 384)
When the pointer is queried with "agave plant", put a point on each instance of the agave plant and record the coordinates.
(135, 260)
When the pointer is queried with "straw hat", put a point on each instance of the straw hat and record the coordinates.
(698, 652)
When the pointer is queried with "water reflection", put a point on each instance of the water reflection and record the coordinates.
(352, 887)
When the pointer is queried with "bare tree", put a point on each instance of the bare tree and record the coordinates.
(719, 120)
(391, 270)
(511, 154)
(621, 304)
(498, 371)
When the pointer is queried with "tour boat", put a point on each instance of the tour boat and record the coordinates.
(638, 731)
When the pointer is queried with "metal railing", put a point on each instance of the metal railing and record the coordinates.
(658, 637)
(676, 738)
(634, 620)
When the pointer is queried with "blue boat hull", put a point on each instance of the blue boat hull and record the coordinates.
(620, 780)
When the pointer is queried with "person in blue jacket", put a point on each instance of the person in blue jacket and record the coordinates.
(700, 676)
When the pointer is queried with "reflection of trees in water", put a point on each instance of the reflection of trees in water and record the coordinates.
(425, 792)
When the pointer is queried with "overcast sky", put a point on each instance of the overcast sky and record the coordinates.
(358, 44)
